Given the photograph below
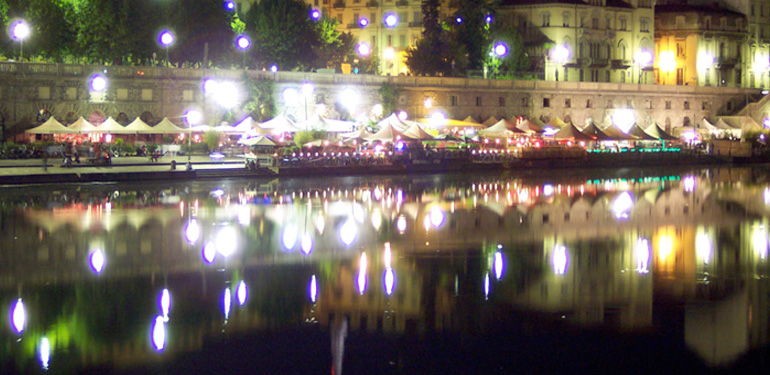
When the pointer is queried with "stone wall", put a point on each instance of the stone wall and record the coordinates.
(63, 90)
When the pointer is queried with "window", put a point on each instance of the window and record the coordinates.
(567, 103)
(668, 104)
(594, 23)
(390, 40)
(546, 102)
(478, 101)
(146, 94)
(707, 23)
(453, 100)
(680, 52)
(71, 93)
(565, 19)
(525, 102)
(546, 19)
(686, 104)
(122, 94)
(680, 23)
(588, 103)
(644, 25)
(704, 105)
(187, 95)
(402, 41)
(339, 18)
(648, 104)
(501, 101)
(356, 17)
(623, 24)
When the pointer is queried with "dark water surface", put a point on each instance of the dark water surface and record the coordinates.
(581, 271)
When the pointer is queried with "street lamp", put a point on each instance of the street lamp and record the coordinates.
(193, 117)
(364, 49)
(667, 63)
(243, 43)
(315, 14)
(391, 20)
(560, 54)
(643, 59)
(705, 62)
(98, 83)
(624, 119)
(20, 31)
(166, 38)
(307, 91)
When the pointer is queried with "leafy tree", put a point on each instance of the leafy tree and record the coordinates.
(433, 54)
(282, 33)
(334, 47)
(473, 31)
(261, 104)
(389, 94)
(517, 60)
(54, 33)
(200, 22)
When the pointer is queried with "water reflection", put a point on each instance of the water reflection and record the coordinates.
(396, 255)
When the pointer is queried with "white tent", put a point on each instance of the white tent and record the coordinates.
(82, 126)
(51, 127)
(316, 122)
(387, 133)
(416, 132)
(165, 126)
(245, 125)
(277, 125)
(498, 130)
(111, 126)
(138, 127)
(393, 121)
(256, 141)
(490, 121)
(358, 134)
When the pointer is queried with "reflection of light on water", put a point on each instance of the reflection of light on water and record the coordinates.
(307, 243)
(226, 241)
(289, 238)
(313, 289)
(401, 224)
(45, 352)
(348, 232)
(703, 246)
(436, 216)
(192, 232)
(227, 300)
(358, 213)
(320, 224)
(665, 246)
(560, 259)
(486, 286)
(19, 316)
(209, 252)
(548, 190)
(165, 303)
(642, 255)
(767, 196)
(759, 241)
(376, 220)
(363, 263)
(390, 281)
(97, 260)
(498, 265)
(159, 333)
(689, 183)
(387, 256)
(241, 293)
(244, 215)
(622, 204)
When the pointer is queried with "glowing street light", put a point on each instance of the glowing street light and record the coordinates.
(349, 99)
(364, 49)
(363, 22)
(166, 39)
(98, 83)
(20, 30)
(560, 54)
(500, 49)
(391, 20)
(667, 62)
(643, 59)
(624, 119)
(230, 5)
(243, 43)
(19, 316)
(315, 14)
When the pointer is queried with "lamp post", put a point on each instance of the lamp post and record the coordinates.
(20, 31)
(499, 50)
(166, 38)
(560, 54)
(243, 43)
(643, 59)
(193, 117)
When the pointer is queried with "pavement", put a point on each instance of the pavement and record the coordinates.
(34, 170)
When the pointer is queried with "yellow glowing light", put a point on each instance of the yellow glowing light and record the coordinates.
(387, 255)
(667, 61)
(665, 246)
(703, 246)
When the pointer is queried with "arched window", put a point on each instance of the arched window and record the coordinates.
(686, 121)
(546, 19)
(565, 18)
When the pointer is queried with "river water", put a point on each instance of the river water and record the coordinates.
(640, 270)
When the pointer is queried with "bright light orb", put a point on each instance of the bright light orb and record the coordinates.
(97, 260)
(20, 30)
(644, 58)
(363, 264)
(159, 333)
(243, 42)
(389, 53)
(703, 246)
(622, 205)
(363, 22)
(436, 216)
(488, 19)
(459, 20)
(19, 316)
(290, 97)
(193, 117)
(209, 252)
(348, 232)
(98, 83)
(274, 68)
(486, 286)
(642, 250)
(498, 265)
(315, 14)
(391, 20)
(349, 98)
(241, 293)
(166, 38)
(377, 110)
(45, 352)
(313, 292)
(227, 94)
(289, 238)
(402, 115)
(560, 259)
(501, 49)
(307, 89)
(624, 119)
(376, 220)
(226, 241)
(689, 184)
(363, 49)
(560, 53)
(401, 224)
(230, 5)
(210, 86)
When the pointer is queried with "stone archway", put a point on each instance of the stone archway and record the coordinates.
(122, 118)
(686, 121)
(71, 117)
(147, 117)
(96, 117)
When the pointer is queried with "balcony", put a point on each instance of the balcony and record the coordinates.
(402, 3)
(599, 62)
(415, 24)
(372, 4)
(339, 4)
(620, 64)
(726, 62)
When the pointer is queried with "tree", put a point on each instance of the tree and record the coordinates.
(261, 104)
(54, 32)
(517, 59)
(200, 22)
(334, 47)
(433, 54)
(283, 34)
(473, 31)
(389, 94)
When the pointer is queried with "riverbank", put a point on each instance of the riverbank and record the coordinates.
(124, 169)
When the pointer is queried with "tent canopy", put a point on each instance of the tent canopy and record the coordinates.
(51, 127)
(165, 126)
(277, 125)
(571, 132)
(110, 126)
(490, 121)
(325, 124)
(256, 141)
(416, 132)
(393, 121)
(137, 126)
(529, 126)
(655, 131)
(387, 133)
(498, 130)
(82, 126)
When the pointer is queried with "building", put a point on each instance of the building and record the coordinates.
(704, 46)
(594, 41)
(388, 27)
